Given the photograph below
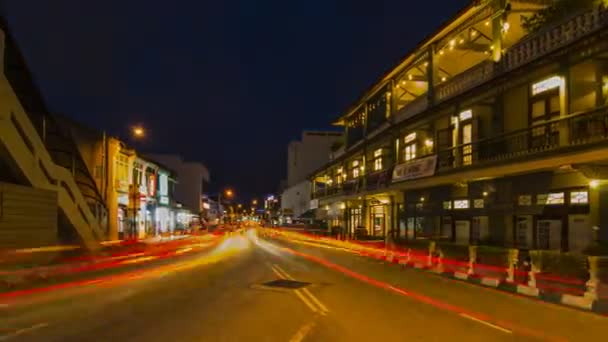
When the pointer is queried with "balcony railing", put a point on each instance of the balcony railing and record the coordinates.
(574, 130)
(555, 36)
(352, 186)
(378, 180)
(413, 108)
(569, 132)
(465, 81)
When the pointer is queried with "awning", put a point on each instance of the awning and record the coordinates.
(308, 214)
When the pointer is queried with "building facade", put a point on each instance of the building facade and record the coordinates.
(193, 179)
(486, 133)
(306, 155)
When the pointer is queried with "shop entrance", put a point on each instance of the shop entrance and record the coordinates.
(463, 231)
(354, 220)
(549, 234)
(378, 218)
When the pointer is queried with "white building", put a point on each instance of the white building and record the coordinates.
(303, 158)
(307, 155)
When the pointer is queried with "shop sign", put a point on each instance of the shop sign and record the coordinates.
(314, 204)
(164, 200)
(122, 185)
(151, 186)
(123, 199)
(423, 167)
(163, 186)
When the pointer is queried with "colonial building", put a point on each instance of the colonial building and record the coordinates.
(487, 132)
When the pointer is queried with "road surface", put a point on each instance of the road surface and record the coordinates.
(261, 289)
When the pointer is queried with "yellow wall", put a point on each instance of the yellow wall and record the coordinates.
(583, 86)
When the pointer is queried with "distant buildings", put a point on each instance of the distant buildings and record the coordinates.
(193, 180)
(61, 182)
(303, 157)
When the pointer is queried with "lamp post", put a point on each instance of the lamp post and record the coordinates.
(228, 193)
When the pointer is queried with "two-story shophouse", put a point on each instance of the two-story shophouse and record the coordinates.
(485, 133)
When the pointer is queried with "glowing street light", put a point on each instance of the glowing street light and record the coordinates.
(229, 193)
(138, 132)
(254, 202)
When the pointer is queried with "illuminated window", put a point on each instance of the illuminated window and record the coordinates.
(409, 152)
(467, 148)
(447, 205)
(378, 164)
(555, 198)
(461, 204)
(340, 175)
(410, 137)
(579, 197)
(524, 200)
(479, 203)
(466, 115)
(550, 199)
(545, 85)
(356, 170)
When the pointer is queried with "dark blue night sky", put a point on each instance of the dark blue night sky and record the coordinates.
(228, 83)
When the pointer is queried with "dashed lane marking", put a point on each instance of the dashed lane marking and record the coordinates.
(322, 307)
(22, 331)
(507, 331)
(302, 332)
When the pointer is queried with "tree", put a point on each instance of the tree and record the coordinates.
(560, 9)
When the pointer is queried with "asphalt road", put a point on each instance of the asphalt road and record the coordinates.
(226, 294)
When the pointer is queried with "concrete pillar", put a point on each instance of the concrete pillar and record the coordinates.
(564, 94)
(113, 148)
(498, 20)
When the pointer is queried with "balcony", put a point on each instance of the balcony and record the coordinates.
(569, 132)
(555, 36)
(413, 108)
(469, 79)
(378, 180)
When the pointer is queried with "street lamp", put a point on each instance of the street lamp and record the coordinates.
(227, 193)
(138, 132)
(254, 202)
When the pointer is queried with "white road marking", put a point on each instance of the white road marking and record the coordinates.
(23, 331)
(507, 331)
(302, 298)
(321, 306)
(303, 332)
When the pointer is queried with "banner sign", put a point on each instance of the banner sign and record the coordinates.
(422, 167)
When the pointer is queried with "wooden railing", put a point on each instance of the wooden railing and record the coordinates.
(574, 130)
(472, 77)
(555, 36)
(417, 106)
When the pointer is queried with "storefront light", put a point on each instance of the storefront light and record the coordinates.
(546, 85)
(594, 184)
(466, 115)
(428, 143)
(410, 137)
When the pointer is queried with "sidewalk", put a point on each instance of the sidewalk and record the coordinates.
(570, 291)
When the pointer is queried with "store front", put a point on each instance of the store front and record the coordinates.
(556, 220)
(355, 222)
(378, 218)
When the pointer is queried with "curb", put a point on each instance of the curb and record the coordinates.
(580, 302)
